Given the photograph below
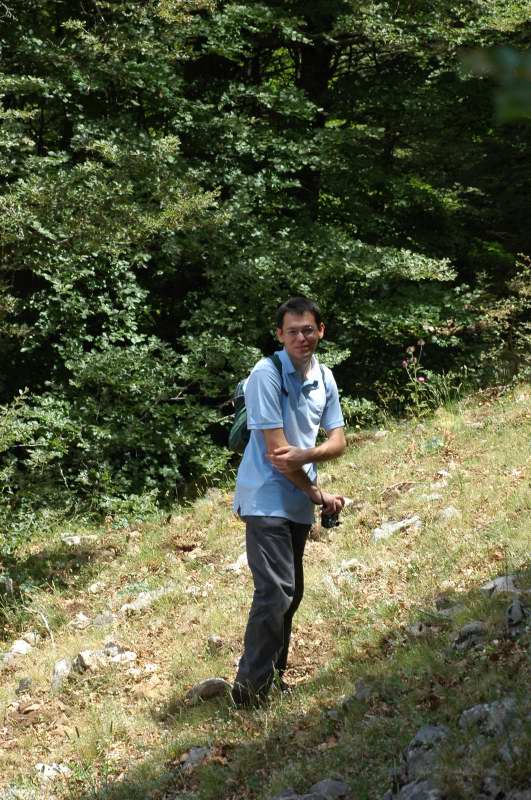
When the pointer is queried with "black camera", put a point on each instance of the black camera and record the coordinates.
(330, 520)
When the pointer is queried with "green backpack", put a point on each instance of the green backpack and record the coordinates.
(239, 433)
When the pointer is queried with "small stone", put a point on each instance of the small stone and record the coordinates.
(419, 630)
(331, 587)
(422, 752)
(118, 654)
(442, 484)
(89, 660)
(431, 498)
(516, 613)
(470, 635)
(6, 585)
(332, 714)
(491, 718)
(238, 565)
(449, 513)
(96, 587)
(80, 621)
(381, 434)
(212, 687)
(387, 529)
(24, 685)
(144, 600)
(195, 756)
(71, 541)
(31, 637)
(364, 691)
(20, 648)
(351, 565)
(330, 788)
(419, 790)
(106, 618)
(49, 772)
(474, 628)
(61, 671)
(287, 794)
(18, 793)
(505, 584)
(214, 643)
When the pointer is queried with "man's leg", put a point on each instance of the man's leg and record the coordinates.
(299, 537)
(270, 558)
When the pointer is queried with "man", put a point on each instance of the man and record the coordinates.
(276, 487)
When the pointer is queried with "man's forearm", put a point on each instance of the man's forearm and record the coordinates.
(300, 479)
(324, 452)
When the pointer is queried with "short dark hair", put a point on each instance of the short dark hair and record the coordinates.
(298, 305)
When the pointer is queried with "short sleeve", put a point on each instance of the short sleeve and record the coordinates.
(332, 415)
(262, 399)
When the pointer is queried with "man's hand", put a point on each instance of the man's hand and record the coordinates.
(288, 458)
(331, 503)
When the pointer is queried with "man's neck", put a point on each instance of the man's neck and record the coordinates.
(302, 367)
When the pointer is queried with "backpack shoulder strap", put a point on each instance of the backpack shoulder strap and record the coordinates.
(278, 364)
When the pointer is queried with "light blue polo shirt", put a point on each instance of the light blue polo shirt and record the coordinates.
(261, 490)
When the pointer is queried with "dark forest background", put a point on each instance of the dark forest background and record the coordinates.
(170, 172)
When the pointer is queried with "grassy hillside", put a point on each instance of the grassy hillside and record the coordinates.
(374, 654)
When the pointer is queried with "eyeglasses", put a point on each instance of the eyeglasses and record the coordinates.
(308, 331)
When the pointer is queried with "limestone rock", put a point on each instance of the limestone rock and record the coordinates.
(419, 790)
(20, 648)
(516, 613)
(88, 660)
(423, 750)
(490, 718)
(103, 619)
(214, 643)
(24, 685)
(470, 635)
(144, 600)
(96, 587)
(195, 756)
(49, 772)
(330, 788)
(118, 654)
(80, 621)
(61, 671)
(238, 565)
(505, 584)
(31, 637)
(448, 514)
(212, 687)
(387, 529)
(6, 585)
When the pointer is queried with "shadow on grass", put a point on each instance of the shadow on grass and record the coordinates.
(411, 676)
(56, 568)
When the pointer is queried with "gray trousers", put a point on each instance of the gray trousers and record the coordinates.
(275, 548)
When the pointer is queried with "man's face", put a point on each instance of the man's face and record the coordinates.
(300, 335)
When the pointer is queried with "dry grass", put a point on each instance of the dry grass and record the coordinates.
(123, 733)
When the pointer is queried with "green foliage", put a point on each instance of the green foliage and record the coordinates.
(170, 172)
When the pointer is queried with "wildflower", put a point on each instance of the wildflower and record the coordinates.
(421, 342)
(421, 379)
(410, 350)
(404, 364)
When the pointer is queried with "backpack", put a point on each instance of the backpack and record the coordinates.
(239, 434)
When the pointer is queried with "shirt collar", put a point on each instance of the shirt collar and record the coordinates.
(289, 367)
